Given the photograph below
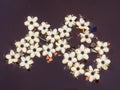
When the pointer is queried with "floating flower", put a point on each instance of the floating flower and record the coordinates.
(86, 37)
(31, 22)
(62, 45)
(64, 31)
(12, 57)
(44, 27)
(78, 69)
(103, 62)
(26, 62)
(52, 36)
(32, 37)
(70, 20)
(34, 50)
(102, 47)
(22, 45)
(48, 50)
(82, 52)
(82, 24)
(69, 59)
(92, 74)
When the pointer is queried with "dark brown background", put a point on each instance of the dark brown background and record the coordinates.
(103, 13)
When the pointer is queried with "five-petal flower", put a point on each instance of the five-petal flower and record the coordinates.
(12, 57)
(69, 59)
(82, 52)
(26, 62)
(103, 62)
(92, 74)
(102, 47)
(31, 22)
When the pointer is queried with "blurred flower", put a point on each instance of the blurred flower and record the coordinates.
(12, 57)
(22, 45)
(70, 20)
(86, 37)
(64, 31)
(48, 50)
(52, 36)
(77, 69)
(82, 52)
(32, 37)
(103, 62)
(92, 74)
(69, 59)
(102, 47)
(34, 50)
(31, 22)
(44, 27)
(62, 45)
(82, 24)
(26, 62)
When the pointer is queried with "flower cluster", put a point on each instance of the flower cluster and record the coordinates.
(30, 46)
(76, 58)
(57, 43)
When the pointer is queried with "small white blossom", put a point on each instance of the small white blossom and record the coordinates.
(69, 59)
(62, 45)
(92, 74)
(44, 27)
(48, 50)
(34, 50)
(31, 22)
(52, 36)
(32, 37)
(70, 20)
(82, 52)
(78, 69)
(26, 62)
(82, 24)
(22, 45)
(103, 62)
(12, 57)
(86, 36)
(102, 47)
(64, 31)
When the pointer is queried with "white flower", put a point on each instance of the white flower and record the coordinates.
(64, 31)
(82, 52)
(52, 36)
(44, 27)
(82, 24)
(92, 74)
(32, 37)
(103, 62)
(31, 22)
(70, 20)
(102, 47)
(26, 62)
(78, 69)
(62, 45)
(12, 57)
(69, 59)
(22, 45)
(86, 36)
(48, 50)
(34, 50)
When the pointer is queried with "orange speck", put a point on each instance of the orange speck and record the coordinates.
(55, 53)
(49, 59)
(87, 78)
